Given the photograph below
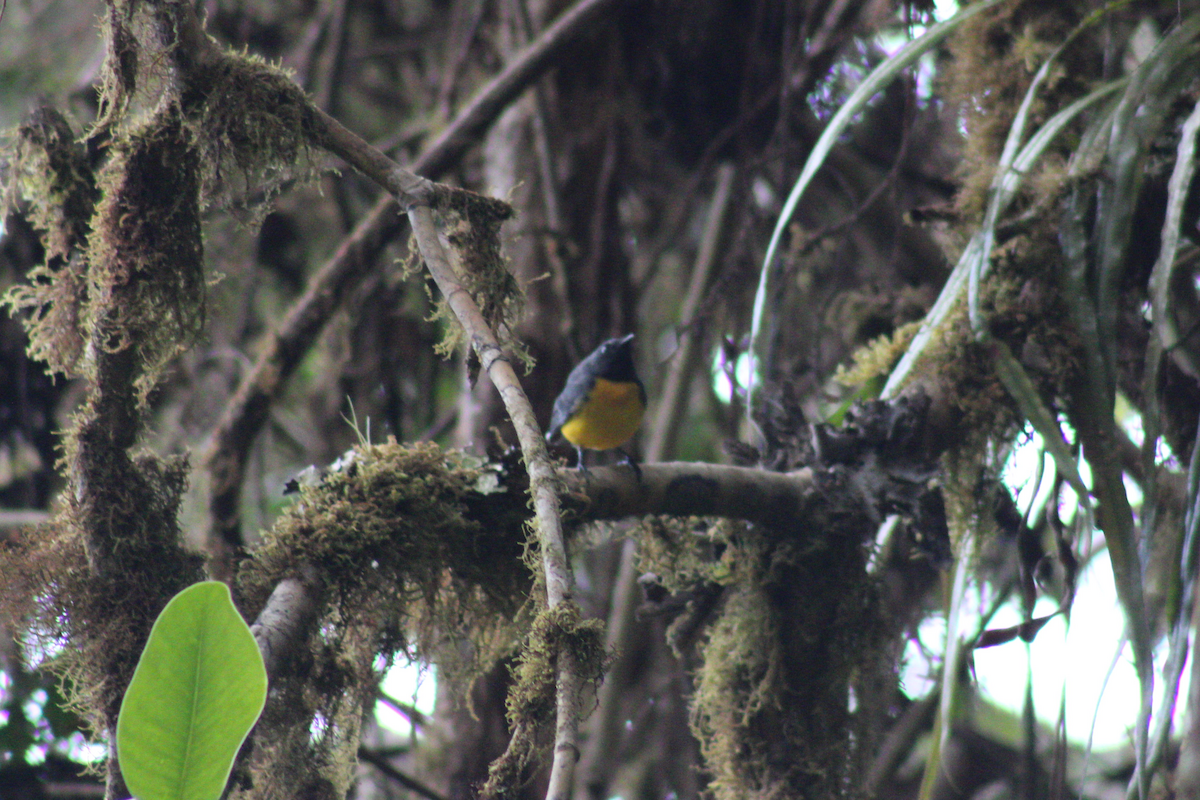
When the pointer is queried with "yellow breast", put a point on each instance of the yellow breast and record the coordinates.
(608, 418)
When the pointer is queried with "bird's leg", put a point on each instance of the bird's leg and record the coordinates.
(579, 465)
(633, 465)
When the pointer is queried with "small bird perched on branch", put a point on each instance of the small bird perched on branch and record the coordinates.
(602, 403)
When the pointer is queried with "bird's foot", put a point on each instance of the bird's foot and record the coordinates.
(632, 463)
(579, 465)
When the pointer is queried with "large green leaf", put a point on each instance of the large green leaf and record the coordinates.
(199, 687)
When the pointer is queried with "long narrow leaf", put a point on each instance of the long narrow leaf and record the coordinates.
(963, 565)
(1008, 174)
(1009, 182)
(1019, 385)
(1167, 336)
(1138, 120)
(1160, 278)
(882, 75)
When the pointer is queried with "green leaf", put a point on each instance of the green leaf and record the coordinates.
(1020, 386)
(198, 689)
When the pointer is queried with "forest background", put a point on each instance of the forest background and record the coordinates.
(218, 276)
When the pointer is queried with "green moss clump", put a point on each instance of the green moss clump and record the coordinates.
(50, 170)
(146, 257)
(472, 224)
(877, 357)
(995, 56)
(402, 568)
(531, 702)
(58, 592)
(248, 118)
(798, 629)
(393, 522)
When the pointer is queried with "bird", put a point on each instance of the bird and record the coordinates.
(602, 403)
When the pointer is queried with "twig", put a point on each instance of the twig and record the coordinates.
(19, 519)
(673, 396)
(527, 66)
(548, 184)
(325, 96)
(679, 213)
(889, 180)
(898, 742)
(1187, 775)
(380, 763)
(54, 790)
(462, 33)
(559, 580)
(300, 60)
(596, 763)
(407, 710)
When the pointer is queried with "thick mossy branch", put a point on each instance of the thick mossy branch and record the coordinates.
(247, 119)
(398, 544)
(393, 520)
(798, 630)
(119, 73)
(129, 298)
(145, 302)
(145, 275)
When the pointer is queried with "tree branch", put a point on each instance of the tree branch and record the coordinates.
(685, 489)
(415, 194)
(284, 622)
(560, 583)
(412, 784)
(229, 446)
